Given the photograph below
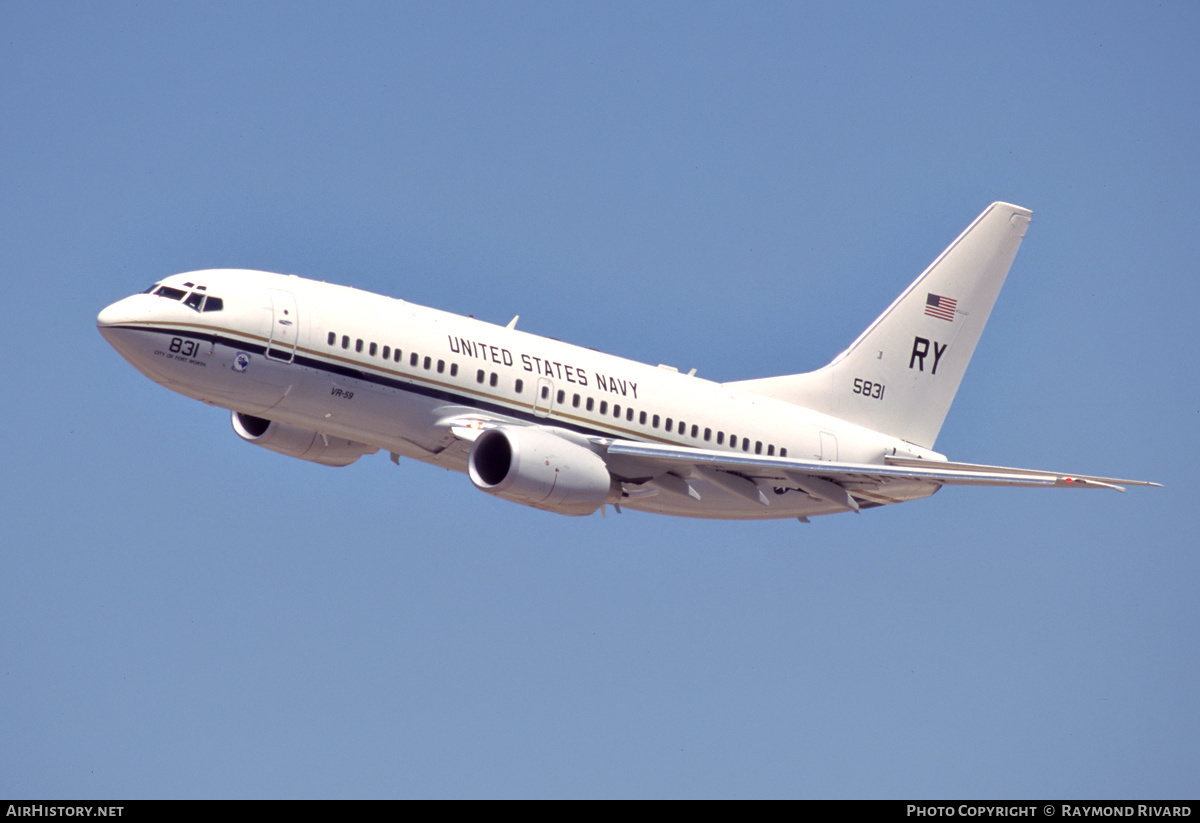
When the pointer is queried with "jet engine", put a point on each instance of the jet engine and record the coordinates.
(297, 442)
(540, 469)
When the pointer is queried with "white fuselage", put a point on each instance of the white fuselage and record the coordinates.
(393, 375)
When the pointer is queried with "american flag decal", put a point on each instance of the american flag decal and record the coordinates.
(940, 307)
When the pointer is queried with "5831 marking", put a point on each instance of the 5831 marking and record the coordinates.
(868, 389)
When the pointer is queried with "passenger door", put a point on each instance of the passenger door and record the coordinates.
(285, 326)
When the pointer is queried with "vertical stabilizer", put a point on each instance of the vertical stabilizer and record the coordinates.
(901, 374)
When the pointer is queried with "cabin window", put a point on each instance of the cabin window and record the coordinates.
(590, 403)
(745, 444)
(707, 435)
(771, 450)
(695, 430)
(575, 401)
(412, 359)
(720, 438)
(494, 380)
(783, 452)
(345, 341)
(616, 409)
(604, 407)
(441, 366)
(733, 441)
(387, 352)
(545, 392)
(479, 376)
(642, 418)
(397, 355)
(670, 424)
(454, 370)
(629, 414)
(373, 350)
(682, 427)
(358, 345)
(520, 385)
(560, 397)
(428, 362)
(758, 447)
(654, 421)
(332, 338)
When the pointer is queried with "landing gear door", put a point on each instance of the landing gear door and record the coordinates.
(285, 326)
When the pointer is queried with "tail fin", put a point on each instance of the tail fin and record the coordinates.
(901, 374)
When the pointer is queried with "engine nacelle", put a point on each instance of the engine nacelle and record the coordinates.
(297, 442)
(536, 468)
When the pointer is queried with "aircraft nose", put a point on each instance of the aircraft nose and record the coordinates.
(123, 311)
(112, 318)
(108, 316)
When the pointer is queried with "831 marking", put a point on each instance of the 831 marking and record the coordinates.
(188, 348)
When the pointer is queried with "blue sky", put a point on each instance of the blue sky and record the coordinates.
(738, 188)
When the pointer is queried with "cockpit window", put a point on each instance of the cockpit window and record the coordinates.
(197, 299)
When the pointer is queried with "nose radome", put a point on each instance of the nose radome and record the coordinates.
(106, 321)
(123, 311)
(108, 316)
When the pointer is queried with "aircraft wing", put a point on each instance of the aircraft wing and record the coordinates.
(836, 481)
(645, 467)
